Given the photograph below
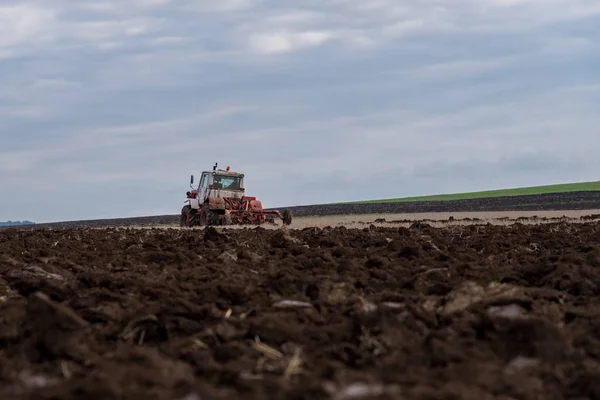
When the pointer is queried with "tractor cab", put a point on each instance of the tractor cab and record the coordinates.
(219, 183)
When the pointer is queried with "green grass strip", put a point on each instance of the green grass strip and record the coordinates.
(533, 190)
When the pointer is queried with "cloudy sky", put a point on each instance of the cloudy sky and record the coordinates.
(107, 107)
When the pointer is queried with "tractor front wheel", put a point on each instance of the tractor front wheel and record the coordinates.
(183, 218)
(212, 218)
(188, 217)
(203, 217)
(208, 217)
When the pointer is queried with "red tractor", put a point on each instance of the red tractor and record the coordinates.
(220, 199)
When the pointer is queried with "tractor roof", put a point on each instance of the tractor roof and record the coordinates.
(225, 173)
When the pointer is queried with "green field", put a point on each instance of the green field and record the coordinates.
(533, 190)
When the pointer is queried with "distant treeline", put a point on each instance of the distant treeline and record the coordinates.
(16, 223)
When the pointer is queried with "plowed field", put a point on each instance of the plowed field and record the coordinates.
(530, 204)
(462, 312)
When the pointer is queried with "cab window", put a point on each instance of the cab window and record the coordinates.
(204, 181)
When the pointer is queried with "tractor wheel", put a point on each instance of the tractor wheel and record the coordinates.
(203, 217)
(287, 217)
(212, 218)
(184, 219)
(193, 221)
(189, 217)
(208, 218)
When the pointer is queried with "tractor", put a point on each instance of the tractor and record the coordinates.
(220, 199)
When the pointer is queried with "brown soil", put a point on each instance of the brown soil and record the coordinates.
(465, 312)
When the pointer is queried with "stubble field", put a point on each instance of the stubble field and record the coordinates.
(395, 309)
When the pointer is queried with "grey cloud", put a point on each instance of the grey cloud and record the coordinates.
(440, 99)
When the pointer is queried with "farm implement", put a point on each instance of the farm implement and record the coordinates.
(220, 199)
